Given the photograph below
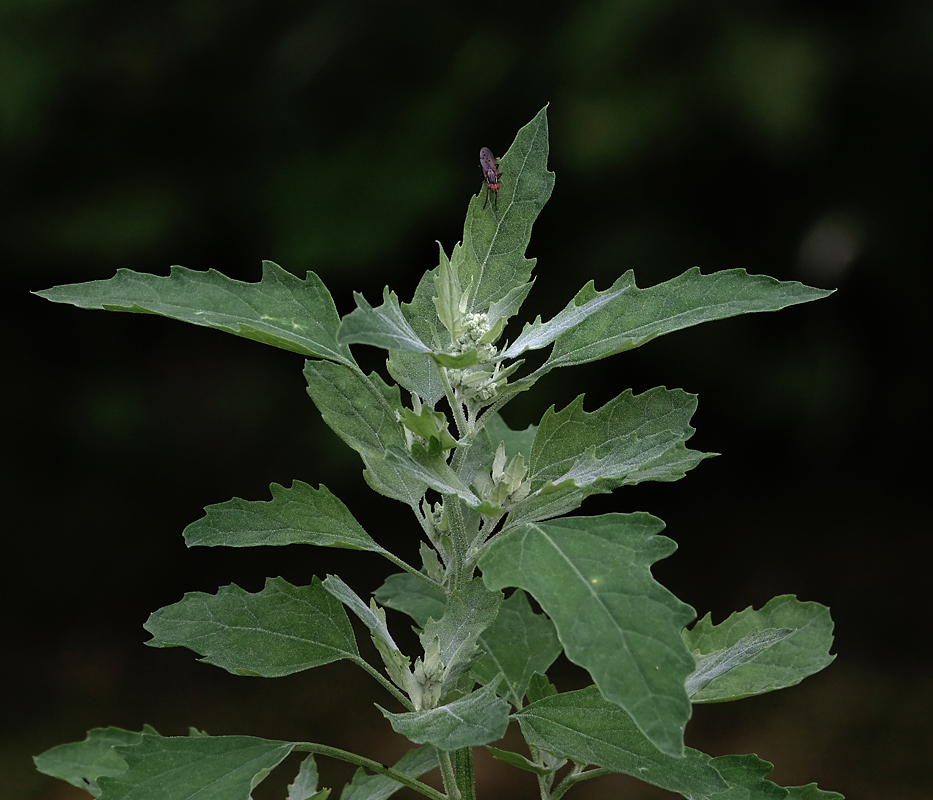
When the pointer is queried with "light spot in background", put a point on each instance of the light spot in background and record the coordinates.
(829, 248)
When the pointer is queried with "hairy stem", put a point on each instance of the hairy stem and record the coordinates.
(386, 683)
(463, 772)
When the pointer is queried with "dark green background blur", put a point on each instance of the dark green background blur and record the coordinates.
(792, 139)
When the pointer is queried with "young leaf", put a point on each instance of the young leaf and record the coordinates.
(803, 652)
(384, 327)
(281, 310)
(587, 728)
(412, 596)
(82, 763)
(630, 439)
(592, 576)
(491, 260)
(587, 301)
(478, 718)
(717, 663)
(414, 763)
(469, 611)
(636, 316)
(364, 411)
(517, 645)
(304, 787)
(182, 767)
(299, 515)
(281, 630)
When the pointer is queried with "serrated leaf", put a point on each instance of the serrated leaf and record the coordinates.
(517, 645)
(281, 310)
(298, 515)
(82, 763)
(516, 442)
(384, 326)
(811, 792)
(587, 728)
(539, 334)
(183, 768)
(414, 764)
(364, 411)
(717, 663)
(411, 595)
(632, 438)
(304, 787)
(281, 630)
(745, 776)
(592, 576)
(637, 316)
(803, 652)
(490, 260)
(478, 718)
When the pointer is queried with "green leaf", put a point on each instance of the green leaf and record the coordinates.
(412, 596)
(717, 663)
(632, 438)
(281, 310)
(384, 327)
(811, 792)
(745, 776)
(490, 263)
(587, 728)
(592, 576)
(431, 468)
(517, 760)
(429, 425)
(637, 316)
(478, 718)
(299, 515)
(803, 652)
(205, 767)
(517, 645)
(304, 787)
(515, 441)
(469, 611)
(82, 763)
(364, 411)
(281, 630)
(414, 763)
(539, 334)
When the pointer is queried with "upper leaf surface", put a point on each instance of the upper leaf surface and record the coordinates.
(592, 576)
(281, 310)
(384, 327)
(800, 653)
(365, 412)
(82, 763)
(636, 316)
(278, 631)
(478, 718)
(491, 260)
(630, 439)
(517, 645)
(587, 728)
(202, 767)
(298, 515)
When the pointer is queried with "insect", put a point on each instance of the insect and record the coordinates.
(489, 166)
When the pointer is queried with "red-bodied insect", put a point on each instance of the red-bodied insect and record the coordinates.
(489, 166)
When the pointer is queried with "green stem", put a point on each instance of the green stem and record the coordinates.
(409, 569)
(386, 683)
(449, 775)
(372, 766)
(574, 778)
(463, 772)
(453, 402)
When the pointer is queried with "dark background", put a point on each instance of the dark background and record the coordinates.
(792, 139)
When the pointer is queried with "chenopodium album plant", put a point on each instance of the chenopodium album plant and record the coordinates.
(507, 580)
